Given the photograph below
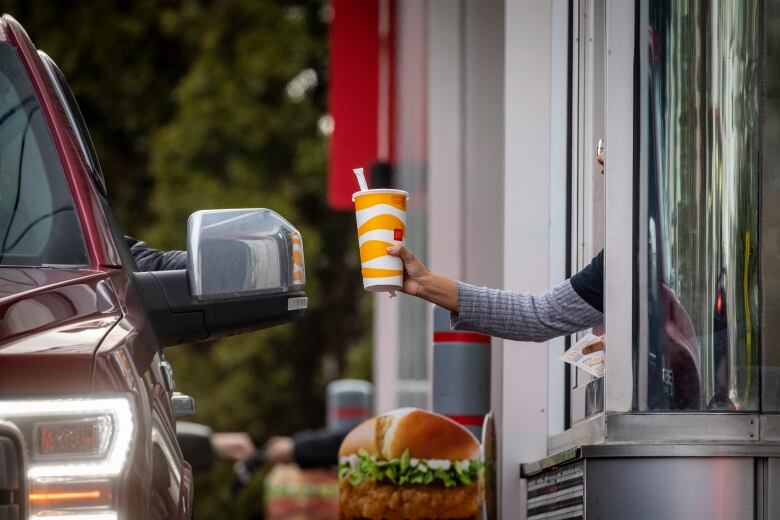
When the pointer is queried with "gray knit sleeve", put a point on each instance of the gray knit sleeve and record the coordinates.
(523, 316)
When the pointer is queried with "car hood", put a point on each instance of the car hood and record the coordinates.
(51, 322)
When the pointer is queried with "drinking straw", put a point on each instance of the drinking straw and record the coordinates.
(360, 178)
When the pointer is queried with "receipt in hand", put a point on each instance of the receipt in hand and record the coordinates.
(592, 363)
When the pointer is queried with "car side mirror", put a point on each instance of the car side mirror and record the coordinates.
(234, 252)
(246, 272)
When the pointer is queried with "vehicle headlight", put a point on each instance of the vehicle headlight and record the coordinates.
(77, 450)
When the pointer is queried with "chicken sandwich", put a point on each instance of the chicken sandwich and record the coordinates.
(410, 464)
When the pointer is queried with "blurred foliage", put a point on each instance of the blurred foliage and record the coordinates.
(215, 104)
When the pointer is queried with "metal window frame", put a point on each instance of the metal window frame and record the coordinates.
(769, 223)
(619, 279)
(619, 283)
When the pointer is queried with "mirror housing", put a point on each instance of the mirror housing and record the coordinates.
(236, 252)
(246, 269)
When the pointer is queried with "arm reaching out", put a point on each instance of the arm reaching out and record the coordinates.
(505, 314)
(523, 316)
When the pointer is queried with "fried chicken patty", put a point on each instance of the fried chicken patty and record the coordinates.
(384, 501)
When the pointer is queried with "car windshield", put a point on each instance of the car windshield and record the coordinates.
(38, 221)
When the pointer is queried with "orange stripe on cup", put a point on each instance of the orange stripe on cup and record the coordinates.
(369, 272)
(373, 249)
(383, 221)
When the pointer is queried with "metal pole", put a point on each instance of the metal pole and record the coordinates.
(350, 402)
(461, 373)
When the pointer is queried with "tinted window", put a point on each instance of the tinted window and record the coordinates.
(38, 222)
(703, 135)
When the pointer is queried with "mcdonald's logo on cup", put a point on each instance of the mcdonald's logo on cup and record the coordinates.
(381, 223)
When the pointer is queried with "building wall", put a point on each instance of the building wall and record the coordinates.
(466, 128)
(495, 130)
(446, 127)
(483, 142)
(466, 141)
(401, 324)
(449, 156)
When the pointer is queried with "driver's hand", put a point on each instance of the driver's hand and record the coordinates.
(280, 450)
(236, 446)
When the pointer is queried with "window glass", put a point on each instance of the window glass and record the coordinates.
(702, 133)
(38, 221)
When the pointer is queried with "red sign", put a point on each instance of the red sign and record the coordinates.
(354, 94)
(398, 234)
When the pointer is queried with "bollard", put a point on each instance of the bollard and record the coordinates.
(461, 373)
(350, 402)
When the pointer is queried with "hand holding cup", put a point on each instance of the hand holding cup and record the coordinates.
(415, 272)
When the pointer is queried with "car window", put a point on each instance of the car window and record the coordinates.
(38, 221)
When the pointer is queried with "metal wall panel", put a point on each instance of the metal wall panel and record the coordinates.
(679, 488)
(770, 213)
(619, 259)
(771, 490)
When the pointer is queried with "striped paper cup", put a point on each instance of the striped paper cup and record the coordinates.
(381, 223)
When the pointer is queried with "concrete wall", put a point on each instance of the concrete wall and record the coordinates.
(491, 157)
(466, 139)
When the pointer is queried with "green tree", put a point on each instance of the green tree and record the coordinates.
(123, 65)
(215, 104)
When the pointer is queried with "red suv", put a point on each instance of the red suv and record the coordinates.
(87, 400)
